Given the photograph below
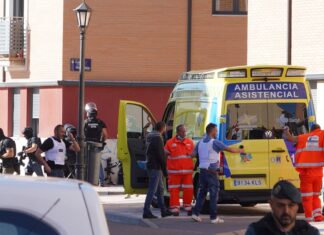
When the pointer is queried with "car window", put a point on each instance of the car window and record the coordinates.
(21, 223)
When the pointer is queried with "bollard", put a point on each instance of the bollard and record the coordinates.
(93, 152)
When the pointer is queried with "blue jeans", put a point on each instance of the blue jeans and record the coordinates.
(32, 167)
(208, 182)
(56, 173)
(155, 186)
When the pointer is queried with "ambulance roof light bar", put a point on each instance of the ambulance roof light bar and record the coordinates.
(294, 72)
(197, 76)
(266, 72)
(237, 73)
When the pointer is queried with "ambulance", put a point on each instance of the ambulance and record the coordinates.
(250, 105)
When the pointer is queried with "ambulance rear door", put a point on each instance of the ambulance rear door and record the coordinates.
(246, 126)
(135, 121)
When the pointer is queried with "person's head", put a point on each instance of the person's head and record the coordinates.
(160, 127)
(59, 131)
(181, 131)
(315, 127)
(28, 132)
(284, 201)
(91, 109)
(2, 136)
(211, 130)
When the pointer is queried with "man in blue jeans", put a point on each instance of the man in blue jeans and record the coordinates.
(208, 151)
(156, 169)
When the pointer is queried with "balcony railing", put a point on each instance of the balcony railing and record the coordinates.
(12, 39)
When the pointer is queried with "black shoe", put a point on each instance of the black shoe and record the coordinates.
(175, 213)
(189, 213)
(149, 216)
(166, 213)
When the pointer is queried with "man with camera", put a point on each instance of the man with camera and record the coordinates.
(7, 153)
(33, 142)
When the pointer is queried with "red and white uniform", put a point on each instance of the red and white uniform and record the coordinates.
(309, 162)
(180, 169)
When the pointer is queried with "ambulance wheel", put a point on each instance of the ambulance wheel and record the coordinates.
(300, 208)
(247, 204)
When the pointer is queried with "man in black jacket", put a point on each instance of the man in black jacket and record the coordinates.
(155, 169)
(285, 198)
(7, 153)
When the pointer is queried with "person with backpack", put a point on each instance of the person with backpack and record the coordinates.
(7, 153)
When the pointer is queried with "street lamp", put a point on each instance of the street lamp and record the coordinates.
(83, 13)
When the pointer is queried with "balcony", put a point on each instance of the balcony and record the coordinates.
(13, 38)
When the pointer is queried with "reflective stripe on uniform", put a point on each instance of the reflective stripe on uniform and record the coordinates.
(313, 149)
(314, 164)
(179, 171)
(178, 157)
(180, 186)
(318, 210)
(309, 194)
(174, 186)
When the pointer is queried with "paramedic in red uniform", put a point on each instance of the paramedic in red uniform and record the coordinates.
(309, 162)
(180, 169)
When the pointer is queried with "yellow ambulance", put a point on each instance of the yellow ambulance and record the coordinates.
(249, 104)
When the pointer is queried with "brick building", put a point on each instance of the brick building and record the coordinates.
(289, 32)
(137, 48)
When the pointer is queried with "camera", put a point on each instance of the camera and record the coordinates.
(22, 156)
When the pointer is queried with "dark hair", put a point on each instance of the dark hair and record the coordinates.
(57, 127)
(179, 127)
(315, 126)
(159, 126)
(210, 127)
(2, 136)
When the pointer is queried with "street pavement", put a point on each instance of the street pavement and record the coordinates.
(124, 215)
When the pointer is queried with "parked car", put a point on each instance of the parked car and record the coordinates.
(51, 206)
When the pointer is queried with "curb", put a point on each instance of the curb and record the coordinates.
(125, 218)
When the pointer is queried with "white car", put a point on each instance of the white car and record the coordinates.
(49, 206)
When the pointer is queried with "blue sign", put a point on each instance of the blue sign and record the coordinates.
(75, 64)
(266, 90)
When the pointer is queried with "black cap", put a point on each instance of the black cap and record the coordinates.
(286, 190)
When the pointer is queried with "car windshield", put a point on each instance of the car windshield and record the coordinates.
(253, 121)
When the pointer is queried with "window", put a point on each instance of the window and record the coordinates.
(193, 116)
(230, 7)
(253, 121)
(19, 223)
(16, 112)
(35, 101)
(138, 122)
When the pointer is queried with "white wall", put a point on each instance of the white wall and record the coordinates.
(267, 32)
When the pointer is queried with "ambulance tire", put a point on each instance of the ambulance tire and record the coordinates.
(247, 204)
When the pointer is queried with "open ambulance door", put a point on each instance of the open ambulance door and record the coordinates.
(135, 121)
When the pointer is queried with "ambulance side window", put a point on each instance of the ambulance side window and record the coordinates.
(168, 118)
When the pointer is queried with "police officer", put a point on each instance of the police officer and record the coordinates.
(33, 142)
(95, 130)
(7, 153)
(55, 150)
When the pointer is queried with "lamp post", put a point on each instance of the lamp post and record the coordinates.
(83, 13)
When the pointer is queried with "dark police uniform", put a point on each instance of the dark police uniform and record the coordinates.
(33, 165)
(8, 163)
(93, 129)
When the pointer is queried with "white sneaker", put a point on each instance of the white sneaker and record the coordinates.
(196, 218)
(217, 221)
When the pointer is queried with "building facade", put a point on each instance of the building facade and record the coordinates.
(135, 50)
(289, 32)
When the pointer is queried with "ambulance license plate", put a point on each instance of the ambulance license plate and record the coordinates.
(247, 182)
